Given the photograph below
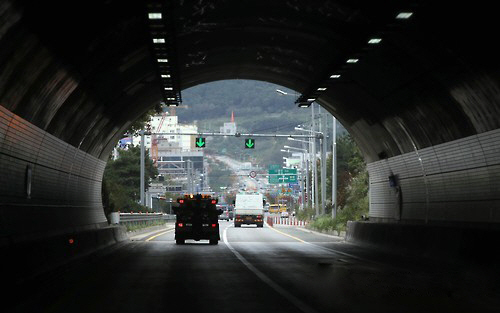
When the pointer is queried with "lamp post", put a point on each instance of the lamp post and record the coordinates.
(303, 165)
(334, 169)
(143, 200)
(314, 189)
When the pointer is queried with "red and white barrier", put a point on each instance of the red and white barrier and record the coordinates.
(292, 221)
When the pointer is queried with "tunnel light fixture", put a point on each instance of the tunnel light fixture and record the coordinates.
(374, 41)
(304, 104)
(171, 99)
(165, 76)
(321, 89)
(158, 40)
(311, 99)
(163, 60)
(335, 76)
(154, 16)
(352, 61)
(404, 15)
(169, 88)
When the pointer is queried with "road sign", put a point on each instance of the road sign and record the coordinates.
(283, 171)
(200, 142)
(281, 179)
(249, 143)
(253, 174)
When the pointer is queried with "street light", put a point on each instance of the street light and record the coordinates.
(293, 139)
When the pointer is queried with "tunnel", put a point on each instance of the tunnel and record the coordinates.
(416, 83)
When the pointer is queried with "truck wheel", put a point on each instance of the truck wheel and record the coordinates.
(214, 241)
(180, 241)
(260, 225)
(237, 225)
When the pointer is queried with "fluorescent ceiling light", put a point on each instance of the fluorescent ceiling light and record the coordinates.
(352, 61)
(169, 88)
(374, 41)
(335, 76)
(311, 99)
(154, 16)
(321, 89)
(404, 15)
(163, 60)
(170, 98)
(158, 40)
(165, 76)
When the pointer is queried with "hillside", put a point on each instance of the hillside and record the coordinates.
(257, 108)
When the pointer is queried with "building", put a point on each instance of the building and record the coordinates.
(229, 128)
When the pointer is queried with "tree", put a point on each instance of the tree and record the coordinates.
(121, 182)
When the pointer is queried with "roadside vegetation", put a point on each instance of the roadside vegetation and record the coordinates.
(352, 190)
(121, 181)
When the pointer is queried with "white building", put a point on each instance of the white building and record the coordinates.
(229, 128)
(167, 124)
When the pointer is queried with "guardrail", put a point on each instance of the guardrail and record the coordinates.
(130, 218)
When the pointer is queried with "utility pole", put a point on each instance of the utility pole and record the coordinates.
(334, 169)
(323, 128)
(142, 168)
(315, 169)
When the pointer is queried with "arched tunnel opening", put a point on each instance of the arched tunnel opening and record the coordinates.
(416, 84)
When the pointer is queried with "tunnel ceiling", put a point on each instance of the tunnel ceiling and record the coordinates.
(85, 70)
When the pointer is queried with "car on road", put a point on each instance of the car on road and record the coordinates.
(284, 214)
(225, 212)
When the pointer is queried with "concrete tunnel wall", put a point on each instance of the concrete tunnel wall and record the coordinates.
(61, 115)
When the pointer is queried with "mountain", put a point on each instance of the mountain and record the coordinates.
(257, 107)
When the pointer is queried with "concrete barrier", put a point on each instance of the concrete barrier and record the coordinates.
(28, 259)
(461, 243)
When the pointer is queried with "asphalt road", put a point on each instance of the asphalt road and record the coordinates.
(279, 269)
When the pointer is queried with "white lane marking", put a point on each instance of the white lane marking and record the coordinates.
(295, 301)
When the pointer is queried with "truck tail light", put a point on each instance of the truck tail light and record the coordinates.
(180, 225)
(238, 216)
(214, 225)
(259, 216)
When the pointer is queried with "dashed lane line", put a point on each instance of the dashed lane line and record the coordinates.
(294, 300)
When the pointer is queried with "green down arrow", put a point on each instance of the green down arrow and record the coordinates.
(200, 142)
(249, 143)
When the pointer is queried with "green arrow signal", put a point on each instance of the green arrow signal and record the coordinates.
(249, 143)
(200, 142)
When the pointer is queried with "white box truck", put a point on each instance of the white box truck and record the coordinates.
(249, 209)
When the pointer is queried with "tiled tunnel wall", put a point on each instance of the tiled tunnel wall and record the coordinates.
(65, 193)
(458, 181)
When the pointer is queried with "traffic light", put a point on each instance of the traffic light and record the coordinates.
(249, 143)
(200, 142)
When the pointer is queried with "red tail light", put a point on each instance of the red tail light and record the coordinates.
(180, 224)
(214, 201)
(238, 216)
(181, 201)
(259, 216)
(214, 225)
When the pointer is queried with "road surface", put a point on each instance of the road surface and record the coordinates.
(281, 269)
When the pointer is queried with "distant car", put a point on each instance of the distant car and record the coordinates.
(284, 214)
(224, 215)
